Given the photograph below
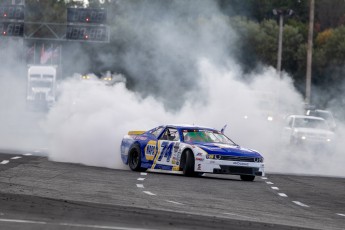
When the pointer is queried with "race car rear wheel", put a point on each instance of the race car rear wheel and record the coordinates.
(247, 178)
(134, 159)
(187, 163)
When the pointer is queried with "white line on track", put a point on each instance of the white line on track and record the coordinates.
(141, 178)
(275, 188)
(300, 204)
(100, 226)
(140, 185)
(22, 221)
(15, 158)
(4, 162)
(143, 174)
(282, 194)
(340, 214)
(269, 182)
(174, 202)
(27, 154)
(264, 178)
(235, 214)
(70, 224)
(149, 193)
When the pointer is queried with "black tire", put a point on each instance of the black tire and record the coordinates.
(187, 163)
(134, 159)
(247, 177)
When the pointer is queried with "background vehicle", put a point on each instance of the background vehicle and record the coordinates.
(325, 114)
(189, 150)
(41, 85)
(302, 130)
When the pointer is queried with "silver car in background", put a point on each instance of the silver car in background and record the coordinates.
(308, 131)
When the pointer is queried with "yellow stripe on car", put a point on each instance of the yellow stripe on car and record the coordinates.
(135, 132)
(158, 152)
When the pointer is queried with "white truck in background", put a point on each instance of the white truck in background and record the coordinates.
(41, 85)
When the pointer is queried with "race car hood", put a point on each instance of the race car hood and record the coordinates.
(228, 150)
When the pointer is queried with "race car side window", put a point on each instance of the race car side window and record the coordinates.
(170, 134)
(157, 131)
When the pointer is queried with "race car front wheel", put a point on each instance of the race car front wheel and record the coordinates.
(134, 159)
(187, 163)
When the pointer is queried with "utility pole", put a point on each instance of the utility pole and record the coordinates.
(280, 45)
(309, 51)
(281, 13)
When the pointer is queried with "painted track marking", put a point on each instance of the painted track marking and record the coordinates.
(300, 204)
(235, 214)
(22, 221)
(100, 226)
(143, 174)
(15, 158)
(27, 154)
(149, 193)
(4, 162)
(140, 185)
(141, 179)
(340, 214)
(174, 202)
(282, 194)
(269, 182)
(275, 188)
(264, 178)
(70, 224)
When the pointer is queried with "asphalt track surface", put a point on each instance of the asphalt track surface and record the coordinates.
(36, 193)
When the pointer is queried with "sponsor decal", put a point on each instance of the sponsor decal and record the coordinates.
(173, 161)
(176, 147)
(210, 156)
(140, 138)
(150, 150)
(199, 166)
(240, 163)
(166, 151)
(176, 168)
(178, 157)
(199, 159)
(199, 154)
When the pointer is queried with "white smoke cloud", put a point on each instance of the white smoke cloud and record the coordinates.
(19, 126)
(88, 122)
(184, 73)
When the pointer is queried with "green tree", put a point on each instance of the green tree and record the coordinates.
(329, 57)
(259, 43)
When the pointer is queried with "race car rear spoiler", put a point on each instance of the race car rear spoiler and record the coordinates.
(135, 132)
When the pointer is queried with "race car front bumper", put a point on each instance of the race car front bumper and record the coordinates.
(236, 170)
(230, 167)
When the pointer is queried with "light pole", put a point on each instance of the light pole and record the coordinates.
(309, 52)
(281, 13)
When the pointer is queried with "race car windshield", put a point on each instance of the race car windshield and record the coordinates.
(206, 136)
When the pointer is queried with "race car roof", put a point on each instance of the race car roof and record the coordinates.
(188, 126)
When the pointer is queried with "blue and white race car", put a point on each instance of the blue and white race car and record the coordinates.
(189, 150)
